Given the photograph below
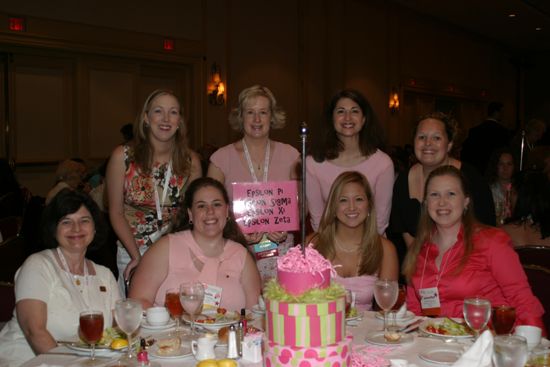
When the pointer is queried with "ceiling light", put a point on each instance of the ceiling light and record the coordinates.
(511, 15)
(538, 29)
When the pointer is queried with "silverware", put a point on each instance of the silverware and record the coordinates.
(76, 355)
(410, 327)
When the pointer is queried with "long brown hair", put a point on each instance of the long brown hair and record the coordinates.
(143, 151)
(371, 244)
(426, 225)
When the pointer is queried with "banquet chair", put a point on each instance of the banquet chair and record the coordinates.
(10, 226)
(534, 255)
(536, 264)
(7, 301)
(12, 256)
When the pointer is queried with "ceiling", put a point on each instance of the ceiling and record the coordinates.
(490, 19)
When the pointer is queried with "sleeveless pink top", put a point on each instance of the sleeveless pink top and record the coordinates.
(363, 286)
(223, 271)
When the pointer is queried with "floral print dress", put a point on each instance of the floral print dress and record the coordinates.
(139, 198)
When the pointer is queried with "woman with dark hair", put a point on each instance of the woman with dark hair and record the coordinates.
(347, 236)
(530, 221)
(206, 250)
(146, 179)
(352, 142)
(453, 257)
(434, 136)
(53, 286)
(500, 172)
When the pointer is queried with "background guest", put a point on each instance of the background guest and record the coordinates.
(69, 174)
(530, 222)
(500, 171)
(206, 250)
(53, 286)
(146, 179)
(257, 158)
(485, 138)
(453, 257)
(347, 236)
(352, 141)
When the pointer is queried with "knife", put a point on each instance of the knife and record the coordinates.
(411, 327)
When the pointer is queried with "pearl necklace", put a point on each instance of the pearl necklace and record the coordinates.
(343, 249)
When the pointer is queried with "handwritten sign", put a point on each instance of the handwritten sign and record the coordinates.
(266, 206)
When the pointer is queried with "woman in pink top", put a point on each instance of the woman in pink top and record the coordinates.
(206, 250)
(453, 257)
(348, 237)
(255, 158)
(352, 142)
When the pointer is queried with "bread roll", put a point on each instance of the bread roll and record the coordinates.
(223, 335)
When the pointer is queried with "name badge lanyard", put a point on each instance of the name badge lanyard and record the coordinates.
(158, 202)
(251, 166)
(438, 277)
(65, 268)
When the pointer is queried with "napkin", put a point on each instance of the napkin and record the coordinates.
(401, 363)
(261, 303)
(402, 312)
(479, 354)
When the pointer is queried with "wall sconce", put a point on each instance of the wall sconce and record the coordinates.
(394, 100)
(216, 88)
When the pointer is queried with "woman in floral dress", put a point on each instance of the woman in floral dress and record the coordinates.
(146, 179)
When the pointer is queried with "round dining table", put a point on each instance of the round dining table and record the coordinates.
(366, 324)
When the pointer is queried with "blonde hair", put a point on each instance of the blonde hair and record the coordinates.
(426, 225)
(371, 244)
(278, 116)
(142, 149)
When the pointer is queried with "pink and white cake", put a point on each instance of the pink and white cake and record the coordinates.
(305, 314)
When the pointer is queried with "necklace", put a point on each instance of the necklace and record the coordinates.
(66, 268)
(342, 248)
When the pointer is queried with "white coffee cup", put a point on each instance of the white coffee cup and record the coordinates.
(531, 333)
(157, 316)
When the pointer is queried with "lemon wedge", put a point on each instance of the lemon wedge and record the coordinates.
(208, 363)
(227, 363)
(119, 343)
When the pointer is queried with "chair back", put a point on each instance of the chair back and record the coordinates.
(10, 226)
(7, 301)
(536, 264)
(12, 256)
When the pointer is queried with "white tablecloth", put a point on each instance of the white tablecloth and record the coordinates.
(369, 323)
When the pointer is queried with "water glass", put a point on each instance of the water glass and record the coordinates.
(385, 294)
(192, 298)
(477, 312)
(510, 351)
(128, 314)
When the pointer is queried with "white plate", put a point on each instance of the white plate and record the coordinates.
(257, 310)
(377, 338)
(356, 317)
(436, 322)
(442, 355)
(408, 316)
(184, 351)
(228, 319)
(85, 349)
(171, 323)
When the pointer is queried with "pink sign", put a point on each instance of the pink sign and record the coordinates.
(266, 206)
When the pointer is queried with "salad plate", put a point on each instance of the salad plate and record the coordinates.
(213, 321)
(171, 323)
(445, 328)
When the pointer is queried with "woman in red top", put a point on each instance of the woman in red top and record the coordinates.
(454, 257)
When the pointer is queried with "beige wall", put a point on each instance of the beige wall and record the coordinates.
(94, 64)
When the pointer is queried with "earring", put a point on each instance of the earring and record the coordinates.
(147, 124)
(190, 222)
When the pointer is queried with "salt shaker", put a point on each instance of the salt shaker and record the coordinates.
(232, 347)
(240, 337)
